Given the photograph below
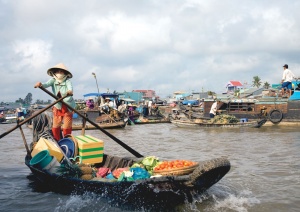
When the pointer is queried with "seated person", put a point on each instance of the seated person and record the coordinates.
(122, 107)
(105, 107)
(90, 103)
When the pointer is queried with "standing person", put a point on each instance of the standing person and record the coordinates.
(61, 86)
(286, 81)
(150, 107)
(213, 109)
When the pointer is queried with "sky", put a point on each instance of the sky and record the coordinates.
(166, 46)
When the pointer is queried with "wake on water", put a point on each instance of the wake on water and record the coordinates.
(218, 198)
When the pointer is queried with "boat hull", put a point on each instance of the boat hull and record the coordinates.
(181, 123)
(164, 190)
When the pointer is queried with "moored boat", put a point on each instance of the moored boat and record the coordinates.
(195, 124)
(278, 109)
(9, 118)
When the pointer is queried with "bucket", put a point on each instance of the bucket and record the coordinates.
(52, 166)
(244, 120)
(68, 146)
(41, 159)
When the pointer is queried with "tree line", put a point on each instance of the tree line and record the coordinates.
(28, 100)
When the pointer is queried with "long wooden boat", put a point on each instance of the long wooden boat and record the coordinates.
(278, 109)
(108, 125)
(162, 121)
(9, 119)
(165, 190)
(191, 123)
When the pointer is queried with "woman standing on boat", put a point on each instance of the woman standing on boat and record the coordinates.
(61, 86)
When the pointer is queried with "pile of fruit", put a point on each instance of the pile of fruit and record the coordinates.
(224, 119)
(174, 164)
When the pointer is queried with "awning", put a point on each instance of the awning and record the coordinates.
(128, 100)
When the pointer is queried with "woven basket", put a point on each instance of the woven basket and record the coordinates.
(177, 171)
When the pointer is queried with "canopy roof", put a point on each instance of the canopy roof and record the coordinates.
(128, 100)
(101, 94)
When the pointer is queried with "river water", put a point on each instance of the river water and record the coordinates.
(264, 175)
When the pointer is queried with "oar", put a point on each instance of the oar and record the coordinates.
(31, 117)
(132, 151)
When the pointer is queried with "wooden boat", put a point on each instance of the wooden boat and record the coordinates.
(107, 125)
(165, 190)
(195, 124)
(9, 118)
(152, 121)
(277, 108)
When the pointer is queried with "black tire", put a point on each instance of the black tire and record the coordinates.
(209, 172)
(275, 116)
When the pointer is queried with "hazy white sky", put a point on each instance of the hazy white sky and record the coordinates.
(166, 46)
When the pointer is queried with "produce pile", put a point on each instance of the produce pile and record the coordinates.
(174, 164)
(224, 119)
(148, 167)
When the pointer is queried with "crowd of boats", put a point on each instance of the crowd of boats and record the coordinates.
(247, 109)
(110, 111)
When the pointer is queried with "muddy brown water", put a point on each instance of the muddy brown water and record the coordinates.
(265, 172)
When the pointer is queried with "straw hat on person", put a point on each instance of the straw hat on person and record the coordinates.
(59, 66)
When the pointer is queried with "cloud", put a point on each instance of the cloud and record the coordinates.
(161, 45)
(32, 54)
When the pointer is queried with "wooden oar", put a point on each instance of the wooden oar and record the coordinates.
(128, 148)
(31, 117)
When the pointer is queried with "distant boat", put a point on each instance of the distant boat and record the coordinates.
(9, 118)
(193, 123)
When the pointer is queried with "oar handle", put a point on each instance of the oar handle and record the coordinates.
(31, 117)
(125, 146)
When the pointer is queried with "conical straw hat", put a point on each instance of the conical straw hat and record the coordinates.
(59, 66)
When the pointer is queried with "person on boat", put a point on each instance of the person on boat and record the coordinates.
(122, 107)
(150, 107)
(61, 86)
(105, 106)
(90, 104)
(214, 108)
(286, 81)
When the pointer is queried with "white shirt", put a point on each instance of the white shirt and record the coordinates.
(288, 75)
(213, 108)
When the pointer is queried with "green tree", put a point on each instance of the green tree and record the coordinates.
(28, 99)
(38, 101)
(20, 100)
(266, 85)
(256, 81)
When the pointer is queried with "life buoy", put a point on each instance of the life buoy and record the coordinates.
(275, 116)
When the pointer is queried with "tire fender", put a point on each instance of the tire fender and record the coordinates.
(277, 120)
